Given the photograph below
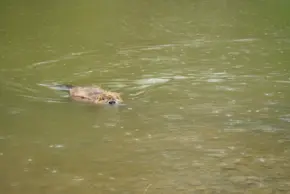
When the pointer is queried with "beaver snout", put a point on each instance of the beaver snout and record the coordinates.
(112, 102)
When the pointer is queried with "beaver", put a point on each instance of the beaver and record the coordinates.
(92, 94)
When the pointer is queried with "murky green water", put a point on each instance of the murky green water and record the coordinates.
(206, 85)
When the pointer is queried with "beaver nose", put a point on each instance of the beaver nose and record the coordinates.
(112, 102)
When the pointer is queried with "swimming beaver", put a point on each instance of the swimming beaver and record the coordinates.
(92, 94)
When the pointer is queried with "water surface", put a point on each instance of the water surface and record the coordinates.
(206, 85)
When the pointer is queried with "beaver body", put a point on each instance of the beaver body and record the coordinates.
(92, 94)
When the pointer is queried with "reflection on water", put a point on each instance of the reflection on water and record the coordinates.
(206, 91)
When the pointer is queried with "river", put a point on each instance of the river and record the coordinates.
(206, 87)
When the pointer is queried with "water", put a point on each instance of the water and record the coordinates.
(206, 85)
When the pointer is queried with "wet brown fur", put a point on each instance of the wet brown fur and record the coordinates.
(94, 94)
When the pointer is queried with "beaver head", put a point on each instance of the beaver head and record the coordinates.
(108, 98)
